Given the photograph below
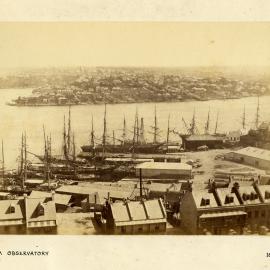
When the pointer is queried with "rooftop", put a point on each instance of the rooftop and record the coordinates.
(226, 197)
(138, 212)
(32, 209)
(204, 199)
(254, 152)
(58, 198)
(164, 166)
(6, 213)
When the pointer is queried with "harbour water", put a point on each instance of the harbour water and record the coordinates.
(16, 120)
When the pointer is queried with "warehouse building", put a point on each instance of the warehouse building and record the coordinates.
(164, 171)
(253, 156)
(194, 142)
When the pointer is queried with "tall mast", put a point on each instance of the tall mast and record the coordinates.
(22, 158)
(168, 133)
(137, 128)
(104, 132)
(69, 132)
(155, 126)
(134, 133)
(193, 124)
(3, 166)
(49, 155)
(142, 139)
(92, 134)
(113, 138)
(244, 118)
(74, 147)
(257, 117)
(206, 129)
(124, 131)
(74, 153)
(216, 127)
(25, 161)
(65, 139)
(45, 154)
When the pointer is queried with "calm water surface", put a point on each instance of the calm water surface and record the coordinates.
(15, 120)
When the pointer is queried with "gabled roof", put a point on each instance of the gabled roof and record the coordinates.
(138, 212)
(203, 195)
(6, 214)
(264, 191)
(224, 194)
(58, 198)
(32, 206)
(249, 195)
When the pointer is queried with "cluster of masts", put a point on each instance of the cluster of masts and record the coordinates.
(139, 130)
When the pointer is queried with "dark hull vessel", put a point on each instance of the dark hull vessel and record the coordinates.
(147, 148)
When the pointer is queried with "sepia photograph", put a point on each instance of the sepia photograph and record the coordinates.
(135, 128)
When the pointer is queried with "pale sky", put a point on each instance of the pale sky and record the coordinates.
(134, 44)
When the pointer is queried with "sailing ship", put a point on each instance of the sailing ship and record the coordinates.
(259, 134)
(136, 145)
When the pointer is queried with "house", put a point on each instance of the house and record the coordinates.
(62, 201)
(27, 216)
(12, 219)
(136, 217)
(233, 137)
(164, 171)
(40, 216)
(253, 156)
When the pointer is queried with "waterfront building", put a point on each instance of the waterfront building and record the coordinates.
(253, 156)
(164, 171)
(193, 142)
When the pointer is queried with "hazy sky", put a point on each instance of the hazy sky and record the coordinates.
(134, 44)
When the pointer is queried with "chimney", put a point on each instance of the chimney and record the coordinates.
(53, 195)
(235, 187)
(108, 196)
(95, 198)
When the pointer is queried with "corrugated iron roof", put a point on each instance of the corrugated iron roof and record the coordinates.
(138, 211)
